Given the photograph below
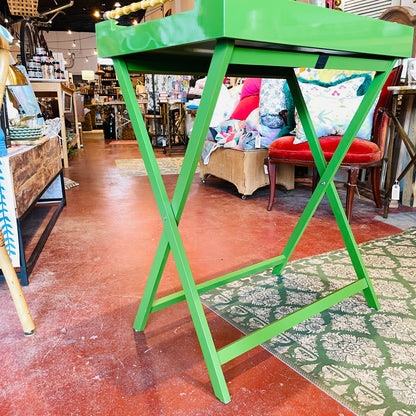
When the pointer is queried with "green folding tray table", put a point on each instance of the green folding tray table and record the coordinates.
(247, 39)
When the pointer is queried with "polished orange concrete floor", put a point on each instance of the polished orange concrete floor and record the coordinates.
(85, 358)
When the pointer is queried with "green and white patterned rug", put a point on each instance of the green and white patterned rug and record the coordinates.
(135, 167)
(365, 359)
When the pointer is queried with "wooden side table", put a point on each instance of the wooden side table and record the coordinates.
(408, 143)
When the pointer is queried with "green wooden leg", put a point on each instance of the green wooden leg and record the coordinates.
(171, 213)
(327, 173)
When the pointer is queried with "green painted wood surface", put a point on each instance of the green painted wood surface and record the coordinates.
(269, 23)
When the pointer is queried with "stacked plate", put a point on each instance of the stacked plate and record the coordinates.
(25, 133)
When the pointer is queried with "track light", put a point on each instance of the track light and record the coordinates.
(74, 44)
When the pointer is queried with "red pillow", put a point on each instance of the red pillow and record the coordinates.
(245, 107)
(251, 86)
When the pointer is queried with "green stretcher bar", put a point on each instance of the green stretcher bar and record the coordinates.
(245, 39)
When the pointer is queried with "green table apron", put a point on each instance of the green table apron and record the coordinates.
(268, 40)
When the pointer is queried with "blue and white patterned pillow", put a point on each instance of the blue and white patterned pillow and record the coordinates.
(272, 102)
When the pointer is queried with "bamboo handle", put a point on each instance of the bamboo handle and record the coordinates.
(15, 290)
(5, 262)
(133, 7)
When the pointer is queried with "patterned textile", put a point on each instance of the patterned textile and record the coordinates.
(365, 359)
(325, 75)
(272, 102)
(291, 120)
(331, 116)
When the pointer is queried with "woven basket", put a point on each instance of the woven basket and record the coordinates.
(26, 8)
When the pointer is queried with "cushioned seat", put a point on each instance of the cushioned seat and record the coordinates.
(361, 151)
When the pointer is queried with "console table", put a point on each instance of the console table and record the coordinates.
(243, 38)
(29, 175)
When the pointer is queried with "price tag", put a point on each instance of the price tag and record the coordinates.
(257, 142)
(395, 192)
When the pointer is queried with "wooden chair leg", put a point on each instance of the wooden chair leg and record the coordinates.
(271, 167)
(315, 178)
(375, 184)
(351, 187)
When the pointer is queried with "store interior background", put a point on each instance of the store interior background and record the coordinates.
(86, 287)
(61, 41)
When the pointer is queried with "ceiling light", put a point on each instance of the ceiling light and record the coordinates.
(74, 44)
(6, 20)
(86, 59)
(117, 4)
(135, 22)
(69, 32)
(69, 53)
(97, 14)
(94, 52)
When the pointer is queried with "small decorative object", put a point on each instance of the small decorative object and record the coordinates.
(25, 133)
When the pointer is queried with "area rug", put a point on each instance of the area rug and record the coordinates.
(69, 183)
(135, 167)
(401, 220)
(365, 359)
(123, 141)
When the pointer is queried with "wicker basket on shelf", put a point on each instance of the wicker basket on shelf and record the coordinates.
(25, 8)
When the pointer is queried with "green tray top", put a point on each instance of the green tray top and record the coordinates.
(268, 24)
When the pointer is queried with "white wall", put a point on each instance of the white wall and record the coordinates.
(406, 3)
(86, 42)
(85, 46)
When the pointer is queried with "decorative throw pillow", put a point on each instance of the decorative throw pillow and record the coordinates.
(267, 135)
(253, 120)
(272, 102)
(365, 80)
(245, 107)
(343, 89)
(326, 75)
(223, 108)
(331, 115)
(251, 86)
